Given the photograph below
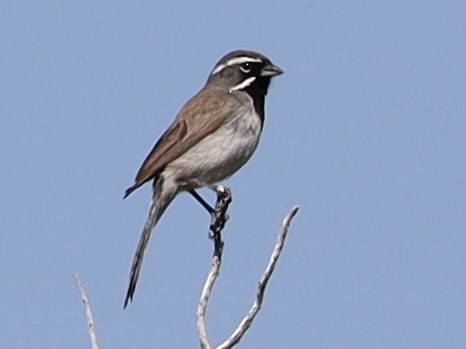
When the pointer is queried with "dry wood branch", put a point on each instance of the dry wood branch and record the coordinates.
(219, 218)
(89, 316)
(246, 323)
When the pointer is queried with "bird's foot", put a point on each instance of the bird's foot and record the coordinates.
(219, 215)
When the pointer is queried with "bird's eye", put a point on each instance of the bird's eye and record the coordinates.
(246, 67)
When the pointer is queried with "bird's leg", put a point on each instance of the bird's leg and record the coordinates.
(201, 200)
(218, 214)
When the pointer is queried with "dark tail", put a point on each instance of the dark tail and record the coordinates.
(161, 200)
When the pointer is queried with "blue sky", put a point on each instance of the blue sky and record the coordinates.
(366, 131)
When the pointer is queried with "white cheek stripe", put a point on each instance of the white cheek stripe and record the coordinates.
(244, 84)
(233, 61)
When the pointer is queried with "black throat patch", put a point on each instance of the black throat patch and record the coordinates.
(257, 91)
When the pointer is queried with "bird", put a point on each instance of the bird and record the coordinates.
(214, 134)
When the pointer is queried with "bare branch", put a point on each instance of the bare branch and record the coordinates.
(249, 318)
(203, 302)
(218, 221)
(219, 218)
(89, 316)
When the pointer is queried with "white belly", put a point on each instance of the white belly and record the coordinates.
(218, 155)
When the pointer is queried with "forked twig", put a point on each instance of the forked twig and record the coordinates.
(246, 323)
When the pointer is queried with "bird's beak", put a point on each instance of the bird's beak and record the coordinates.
(271, 70)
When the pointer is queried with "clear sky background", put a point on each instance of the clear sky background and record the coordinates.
(366, 131)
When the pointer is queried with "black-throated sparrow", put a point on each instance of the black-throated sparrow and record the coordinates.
(212, 137)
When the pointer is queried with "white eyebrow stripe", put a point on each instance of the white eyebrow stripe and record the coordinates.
(234, 61)
(218, 69)
(243, 59)
(244, 84)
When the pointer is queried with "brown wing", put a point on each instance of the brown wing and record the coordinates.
(202, 115)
